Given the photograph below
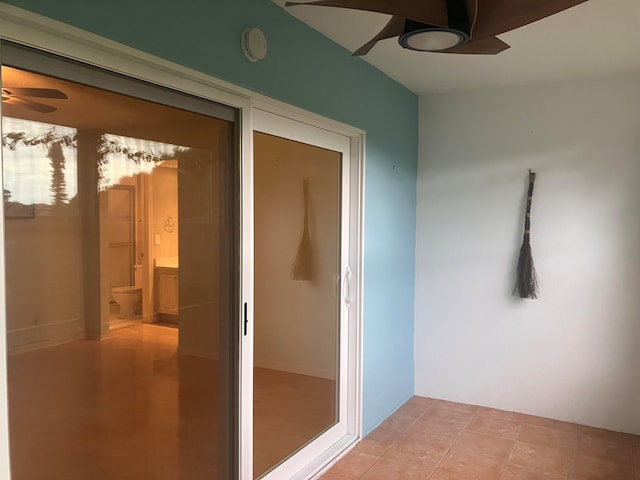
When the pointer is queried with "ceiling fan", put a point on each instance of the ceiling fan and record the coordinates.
(14, 96)
(450, 26)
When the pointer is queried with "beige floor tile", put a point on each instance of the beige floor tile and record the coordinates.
(383, 433)
(416, 452)
(605, 448)
(331, 476)
(416, 406)
(548, 459)
(492, 424)
(517, 472)
(374, 447)
(434, 438)
(546, 436)
(588, 468)
(608, 434)
(459, 407)
(469, 466)
(514, 417)
(455, 418)
(391, 470)
(397, 423)
(444, 476)
(434, 424)
(489, 446)
(549, 422)
(354, 465)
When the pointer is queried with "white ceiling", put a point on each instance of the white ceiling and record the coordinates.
(598, 37)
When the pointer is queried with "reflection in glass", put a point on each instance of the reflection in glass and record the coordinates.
(118, 240)
(297, 222)
(39, 164)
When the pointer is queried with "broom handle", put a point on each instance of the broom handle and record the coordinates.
(305, 190)
(527, 219)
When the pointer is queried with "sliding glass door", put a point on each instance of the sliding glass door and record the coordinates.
(181, 300)
(302, 293)
(121, 233)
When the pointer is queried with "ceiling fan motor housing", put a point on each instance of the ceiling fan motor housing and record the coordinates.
(424, 25)
(431, 38)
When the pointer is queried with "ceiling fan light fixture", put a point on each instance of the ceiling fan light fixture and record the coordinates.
(429, 38)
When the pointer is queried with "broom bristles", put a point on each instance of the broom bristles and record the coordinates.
(302, 264)
(527, 281)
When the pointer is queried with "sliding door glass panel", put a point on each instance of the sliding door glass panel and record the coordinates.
(120, 243)
(297, 304)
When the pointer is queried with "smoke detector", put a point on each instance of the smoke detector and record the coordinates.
(254, 44)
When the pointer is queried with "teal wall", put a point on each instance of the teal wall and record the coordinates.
(305, 69)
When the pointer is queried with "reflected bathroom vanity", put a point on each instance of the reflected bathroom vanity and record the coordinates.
(165, 283)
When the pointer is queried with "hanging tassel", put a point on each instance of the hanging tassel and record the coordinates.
(527, 281)
(302, 265)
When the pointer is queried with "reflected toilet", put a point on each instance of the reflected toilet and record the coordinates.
(129, 298)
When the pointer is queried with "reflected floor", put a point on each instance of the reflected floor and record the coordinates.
(116, 323)
(129, 407)
(289, 411)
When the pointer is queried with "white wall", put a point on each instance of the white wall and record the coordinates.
(164, 201)
(44, 277)
(574, 354)
(202, 303)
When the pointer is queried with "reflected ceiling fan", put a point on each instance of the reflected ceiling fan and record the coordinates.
(450, 26)
(15, 96)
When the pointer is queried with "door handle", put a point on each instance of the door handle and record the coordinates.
(245, 320)
(346, 288)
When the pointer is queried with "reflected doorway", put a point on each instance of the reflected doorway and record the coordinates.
(125, 281)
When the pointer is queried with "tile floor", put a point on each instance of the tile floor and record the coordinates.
(430, 439)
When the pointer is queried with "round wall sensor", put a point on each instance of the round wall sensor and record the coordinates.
(254, 44)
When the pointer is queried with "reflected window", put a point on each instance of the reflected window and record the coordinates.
(123, 157)
(40, 163)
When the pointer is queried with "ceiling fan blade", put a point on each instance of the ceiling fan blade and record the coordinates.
(485, 46)
(433, 12)
(392, 29)
(28, 104)
(499, 16)
(36, 92)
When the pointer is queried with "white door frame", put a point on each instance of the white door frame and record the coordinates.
(27, 28)
(312, 458)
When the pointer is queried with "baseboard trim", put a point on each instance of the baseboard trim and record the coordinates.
(294, 368)
(198, 352)
(35, 337)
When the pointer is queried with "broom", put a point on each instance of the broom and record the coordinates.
(527, 281)
(302, 265)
